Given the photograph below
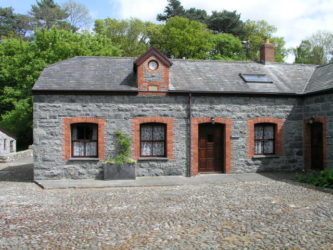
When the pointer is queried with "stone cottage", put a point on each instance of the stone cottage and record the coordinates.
(185, 116)
(7, 142)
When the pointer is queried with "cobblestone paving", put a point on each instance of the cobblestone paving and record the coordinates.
(267, 214)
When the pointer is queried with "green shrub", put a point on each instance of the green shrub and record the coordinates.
(322, 179)
(123, 148)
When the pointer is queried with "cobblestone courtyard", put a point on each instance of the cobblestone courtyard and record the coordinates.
(263, 214)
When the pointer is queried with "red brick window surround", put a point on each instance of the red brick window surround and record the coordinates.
(169, 134)
(195, 142)
(307, 141)
(100, 122)
(278, 136)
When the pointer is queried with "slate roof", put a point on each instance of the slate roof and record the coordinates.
(6, 132)
(321, 79)
(116, 74)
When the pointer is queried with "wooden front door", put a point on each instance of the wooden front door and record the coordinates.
(317, 147)
(211, 148)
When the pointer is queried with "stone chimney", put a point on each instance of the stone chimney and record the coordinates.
(267, 52)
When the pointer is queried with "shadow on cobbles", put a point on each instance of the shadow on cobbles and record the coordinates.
(17, 173)
(291, 178)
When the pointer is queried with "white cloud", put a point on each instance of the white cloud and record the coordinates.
(295, 19)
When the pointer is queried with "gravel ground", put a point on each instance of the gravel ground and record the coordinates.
(267, 214)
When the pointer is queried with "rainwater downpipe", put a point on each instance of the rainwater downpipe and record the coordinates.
(190, 135)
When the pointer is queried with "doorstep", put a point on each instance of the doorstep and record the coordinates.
(150, 181)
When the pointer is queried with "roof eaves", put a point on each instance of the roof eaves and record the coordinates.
(8, 133)
(153, 52)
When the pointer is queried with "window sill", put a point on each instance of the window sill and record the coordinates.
(83, 159)
(264, 156)
(153, 159)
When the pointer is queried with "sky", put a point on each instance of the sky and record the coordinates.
(295, 19)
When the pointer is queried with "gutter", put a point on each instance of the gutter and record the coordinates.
(175, 92)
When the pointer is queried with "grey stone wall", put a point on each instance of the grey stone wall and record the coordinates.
(322, 106)
(119, 111)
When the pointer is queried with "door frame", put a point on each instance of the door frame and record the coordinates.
(215, 127)
(307, 140)
(227, 122)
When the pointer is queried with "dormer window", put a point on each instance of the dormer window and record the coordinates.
(255, 78)
(153, 65)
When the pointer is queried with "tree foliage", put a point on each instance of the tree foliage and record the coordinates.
(131, 36)
(174, 8)
(226, 22)
(12, 24)
(308, 54)
(227, 47)
(78, 15)
(256, 33)
(317, 49)
(21, 63)
(46, 14)
(181, 37)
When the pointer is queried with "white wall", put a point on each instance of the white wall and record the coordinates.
(5, 141)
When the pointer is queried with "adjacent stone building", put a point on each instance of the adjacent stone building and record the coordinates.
(7, 142)
(185, 116)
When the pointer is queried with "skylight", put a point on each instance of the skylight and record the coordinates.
(255, 78)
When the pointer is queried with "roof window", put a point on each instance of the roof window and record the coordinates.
(255, 78)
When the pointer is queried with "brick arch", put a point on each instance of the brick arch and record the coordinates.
(169, 122)
(278, 136)
(101, 122)
(195, 142)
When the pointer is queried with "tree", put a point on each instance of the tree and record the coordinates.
(256, 33)
(174, 8)
(196, 15)
(226, 22)
(21, 63)
(12, 25)
(323, 40)
(181, 37)
(307, 53)
(78, 15)
(131, 36)
(47, 14)
(227, 47)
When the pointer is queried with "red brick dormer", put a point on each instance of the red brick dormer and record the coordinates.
(153, 70)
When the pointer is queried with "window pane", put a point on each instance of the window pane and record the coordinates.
(158, 149)
(146, 132)
(259, 132)
(269, 147)
(89, 132)
(74, 132)
(146, 148)
(91, 148)
(269, 132)
(158, 133)
(80, 132)
(258, 147)
(78, 149)
(94, 134)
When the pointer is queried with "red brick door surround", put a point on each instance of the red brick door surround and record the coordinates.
(227, 122)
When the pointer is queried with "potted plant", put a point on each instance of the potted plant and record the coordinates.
(121, 167)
